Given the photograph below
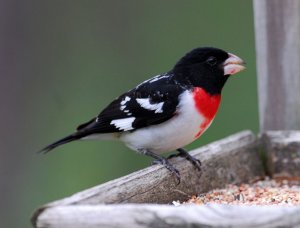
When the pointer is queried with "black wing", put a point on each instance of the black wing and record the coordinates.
(152, 102)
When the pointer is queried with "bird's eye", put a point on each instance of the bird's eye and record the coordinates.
(212, 60)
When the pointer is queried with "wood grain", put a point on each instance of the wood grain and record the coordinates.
(234, 159)
(277, 32)
(143, 216)
(283, 153)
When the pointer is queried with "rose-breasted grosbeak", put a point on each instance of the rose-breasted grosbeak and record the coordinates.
(168, 111)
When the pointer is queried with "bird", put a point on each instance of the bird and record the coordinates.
(166, 112)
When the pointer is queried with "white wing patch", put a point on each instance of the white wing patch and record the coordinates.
(123, 124)
(123, 103)
(145, 103)
(125, 100)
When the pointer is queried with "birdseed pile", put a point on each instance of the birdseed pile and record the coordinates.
(263, 192)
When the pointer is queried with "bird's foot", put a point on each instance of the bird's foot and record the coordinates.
(183, 153)
(163, 161)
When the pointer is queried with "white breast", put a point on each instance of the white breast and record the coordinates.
(170, 135)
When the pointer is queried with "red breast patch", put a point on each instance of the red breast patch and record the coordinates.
(207, 105)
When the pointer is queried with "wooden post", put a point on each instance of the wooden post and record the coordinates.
(277, 32)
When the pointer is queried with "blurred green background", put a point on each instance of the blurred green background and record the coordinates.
(63, 61)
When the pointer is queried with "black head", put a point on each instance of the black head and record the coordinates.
(208, 68)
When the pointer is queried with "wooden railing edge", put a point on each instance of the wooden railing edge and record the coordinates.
(145, 215)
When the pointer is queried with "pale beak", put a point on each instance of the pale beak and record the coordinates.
(233, 64)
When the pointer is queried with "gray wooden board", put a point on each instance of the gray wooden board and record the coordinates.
(233, 159)
(144, 216)
(283, 153)
(277, 33)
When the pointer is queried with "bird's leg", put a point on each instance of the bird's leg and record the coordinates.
(183, 153)
(163, 161)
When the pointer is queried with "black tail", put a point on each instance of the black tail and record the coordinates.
(67, 139)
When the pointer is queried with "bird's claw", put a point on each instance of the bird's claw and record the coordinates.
(169, 166)
(182, 153)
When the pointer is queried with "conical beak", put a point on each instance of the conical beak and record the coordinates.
(233, 64)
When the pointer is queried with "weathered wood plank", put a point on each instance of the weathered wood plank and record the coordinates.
(143, 216)
(283, 153)
(230, 160)
(234, 159)
(277, 32)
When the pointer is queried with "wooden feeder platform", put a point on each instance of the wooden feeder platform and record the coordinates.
(144, 198)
